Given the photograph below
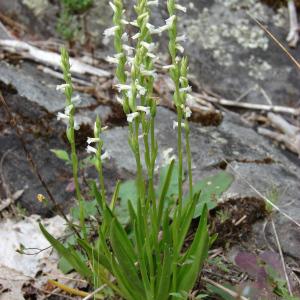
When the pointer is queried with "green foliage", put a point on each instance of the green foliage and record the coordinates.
(89, 207)
(128, 192)
(77, 6)
(68, 24)
(61, 154)
(211, 190)
(218, 262)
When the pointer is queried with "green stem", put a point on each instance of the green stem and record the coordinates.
(179, 146)
(189, 159)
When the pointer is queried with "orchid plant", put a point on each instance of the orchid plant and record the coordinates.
(153, 262)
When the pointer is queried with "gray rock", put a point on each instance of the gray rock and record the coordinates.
(229, 53)
(88, 116)
(36, 87)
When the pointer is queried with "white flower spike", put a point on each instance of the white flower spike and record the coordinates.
(105, 155)
(168, 67)
(180, 48)
(187, 89)
(122, 87)
(112, 60)
(145, 109)
(153, 2)
(76, 125)
(181, 38)
(110, 31)
(132, 116)
(180, 7)
(92, 140)
(113, 7)
(141, 90)
(62, 87)
(91, 149)
(136, 36)
(61, 116)
(68, 109)
(169, 21)
(175, 125)
(149, 46)
(120, 100)
(124, 37)
(187, 112)
(149, 73)
(128, 49)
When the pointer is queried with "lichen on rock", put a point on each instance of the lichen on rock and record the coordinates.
(37, 6)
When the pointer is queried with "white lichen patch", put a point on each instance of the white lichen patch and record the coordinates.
(37, 6)
(257, 67)
(225, 58)
(249, 36)
(225, 23)
(280, 18)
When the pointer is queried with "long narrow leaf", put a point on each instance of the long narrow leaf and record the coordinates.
(186, 220)
(69, 254)
(165, 277)
(195, 257)
(115, 196)
(163, 193)
(94, 255)
(123, 284)
(124, 252)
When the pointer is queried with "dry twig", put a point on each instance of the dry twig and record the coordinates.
(50, 58)
(225, 289)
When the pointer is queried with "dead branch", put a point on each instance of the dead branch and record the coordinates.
(59, 75)
(4, 29)
(50, 58)
(225, 289)
(284, 126)
(265, 107)
(289, 134)
(281, 138)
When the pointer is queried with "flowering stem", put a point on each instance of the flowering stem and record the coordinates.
(189, 158)
(71, 132)
(97, 132)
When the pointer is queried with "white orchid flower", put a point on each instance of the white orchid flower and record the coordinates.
(145, 109)
(132, 116)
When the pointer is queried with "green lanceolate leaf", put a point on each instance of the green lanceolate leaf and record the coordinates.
(126, 258)
(115, 196)
(173, 180)
(164, 280)
(97, 195)
(195, 256)
(187, 219)
(127, 290)
(64, 265)
(61, 154)
(165, 188)
(90, 209)
(94, 255)
(69, 254)
(127, 192)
